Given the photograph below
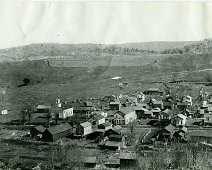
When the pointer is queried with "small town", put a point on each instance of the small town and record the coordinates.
(110, 85)
(124, 127)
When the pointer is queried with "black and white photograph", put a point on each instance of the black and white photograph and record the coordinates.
(105, 85)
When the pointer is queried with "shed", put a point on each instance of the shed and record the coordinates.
(106, 126)
(37, 131)
(128, 160)
(112, 163)
(84, 129)
(90, 162)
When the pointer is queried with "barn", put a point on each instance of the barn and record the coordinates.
(54, 133)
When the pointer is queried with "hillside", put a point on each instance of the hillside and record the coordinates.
(50, 50)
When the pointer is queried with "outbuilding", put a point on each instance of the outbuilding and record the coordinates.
(54, 133)
(84, 129)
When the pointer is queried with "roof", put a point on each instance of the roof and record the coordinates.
(113, 143)
(111, 112)
(167, 111)
(153, 89)
(85, 124)
(88, 104)
(117, 128)
(128, 155)
(106, 124)
(115, 103)
(100, 130)
(184, 129)
(156, 109)
(40, 128)
(43, 107)
(112, 162)
(115, 138)
(59, 128)
(126, 110)
(167, 103)
(91, 159)
(98, 117)
(170, 128)
(181, 116)
(148, 112)
(84, 108)
(157, 102)
(201, 133)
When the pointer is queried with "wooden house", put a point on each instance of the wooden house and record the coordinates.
(105, 126)
(115, 105)
(116, 130)
(42, 111)
(37, 132)
(124, 116)
(153, 91)
(98, 120)
(157, 104)
(84, 129)
(66, 113)
(112, 163)
(114, 142)
(128, 160)
(179, 120)
(166, 114)
(54, 133)
(167, 133)
(90, 162)
(168, 105)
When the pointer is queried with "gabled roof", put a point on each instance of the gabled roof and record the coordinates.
(111, 112)
(148, 112)
(43, 107)
(181, 116)
(170, 128)
(168, 112)
(88, 104)
(106, 124)
(126, 110)
(98, 117)
(117, 128)
(157, 102)
(153, 89)
(59, 128)
(112, 161)
(167, 103)
(128, 155)
(91, 159)
(40, 128)
(184, 129)
(115, 103)
(85, 124)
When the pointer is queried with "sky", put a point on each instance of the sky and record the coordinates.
(103, 22)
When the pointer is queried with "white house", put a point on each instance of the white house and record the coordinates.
(97, 119)
(100, 112)
(4, 112)
(84, 129)
(179, 119)
(188, 99)
(66, 113)
(124, 116)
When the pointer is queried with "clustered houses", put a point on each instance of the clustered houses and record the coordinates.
(102, 119)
